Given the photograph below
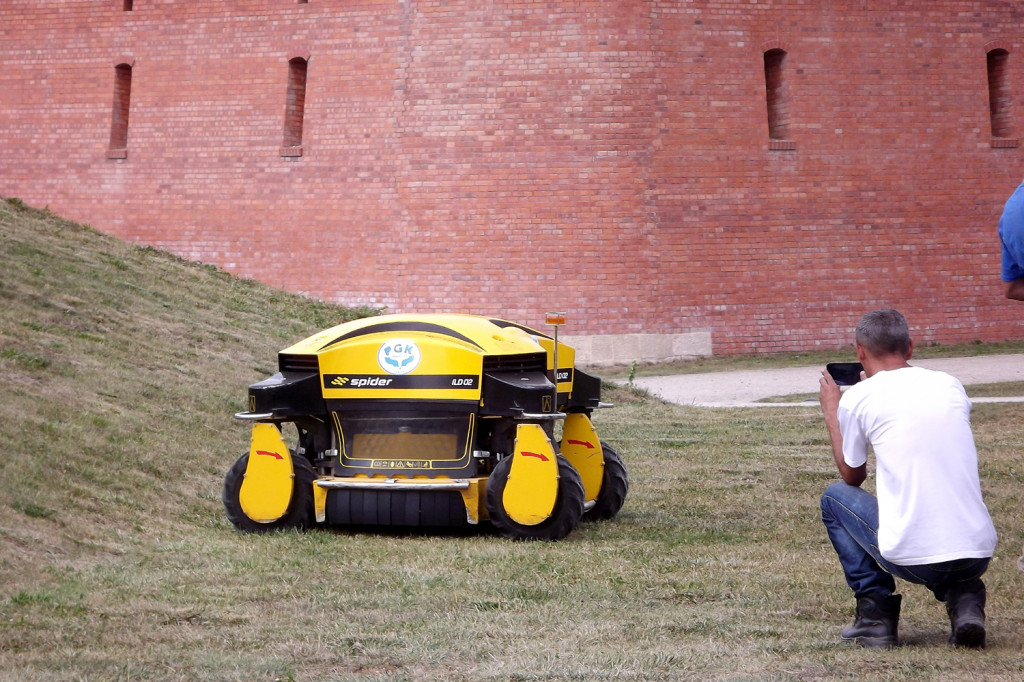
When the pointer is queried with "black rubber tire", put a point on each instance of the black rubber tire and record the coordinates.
(300, 511)
(614, 487)
(564, 519)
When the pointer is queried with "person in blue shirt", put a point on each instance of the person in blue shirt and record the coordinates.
(1011, 234)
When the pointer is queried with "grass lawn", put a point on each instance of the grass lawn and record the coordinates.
(120, 368)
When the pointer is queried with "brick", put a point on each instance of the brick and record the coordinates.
(608, 159)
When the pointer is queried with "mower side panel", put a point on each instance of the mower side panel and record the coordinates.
(566, 354)
(266, 490)
(320, 503)
(582, 447)
(532, 487)
(472, 497)
(287, 394)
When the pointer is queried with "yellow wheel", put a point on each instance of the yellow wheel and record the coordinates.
(300, 509)
(564, 517)
(614, 487)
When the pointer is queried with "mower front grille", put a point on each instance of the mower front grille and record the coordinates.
(533, 362)
(407, 446)
(298, 363)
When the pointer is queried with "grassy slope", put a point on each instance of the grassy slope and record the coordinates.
(120, 368)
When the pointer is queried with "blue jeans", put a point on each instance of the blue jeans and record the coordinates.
(850, 516)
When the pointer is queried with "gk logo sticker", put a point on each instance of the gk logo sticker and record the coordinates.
(398, 356)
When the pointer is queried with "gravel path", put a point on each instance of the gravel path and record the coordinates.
(745, 388)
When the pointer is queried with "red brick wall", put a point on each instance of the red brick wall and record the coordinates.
(607, 158)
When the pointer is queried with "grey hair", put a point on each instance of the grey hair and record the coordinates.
(884, 332)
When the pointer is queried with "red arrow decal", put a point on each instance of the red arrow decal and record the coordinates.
(537, 455)
(590, 446)
(269, 454)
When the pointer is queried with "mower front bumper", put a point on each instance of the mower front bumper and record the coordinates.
(363, 501)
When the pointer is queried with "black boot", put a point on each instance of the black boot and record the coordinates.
(876, 621)
(966, 608)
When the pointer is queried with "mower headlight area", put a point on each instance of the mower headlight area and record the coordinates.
(405, 445)
(416, 444)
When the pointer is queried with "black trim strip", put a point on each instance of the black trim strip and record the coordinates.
(402, 382)
(504, 324)
(384, 327)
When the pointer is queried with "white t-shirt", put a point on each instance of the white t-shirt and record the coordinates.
(917, 421)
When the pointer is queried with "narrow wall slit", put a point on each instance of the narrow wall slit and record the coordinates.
(775, 87)
(295, 103)
(121, 107)
(999, 94)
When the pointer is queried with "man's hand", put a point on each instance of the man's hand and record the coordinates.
(829, 396)
(829, 399)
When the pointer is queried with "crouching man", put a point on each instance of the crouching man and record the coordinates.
(928, 524)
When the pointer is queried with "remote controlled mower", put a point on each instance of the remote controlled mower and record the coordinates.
(427, 420)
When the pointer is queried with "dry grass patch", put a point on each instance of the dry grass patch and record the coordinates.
(120, 368)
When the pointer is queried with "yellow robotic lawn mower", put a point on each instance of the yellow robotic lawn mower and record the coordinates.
(427, 420)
